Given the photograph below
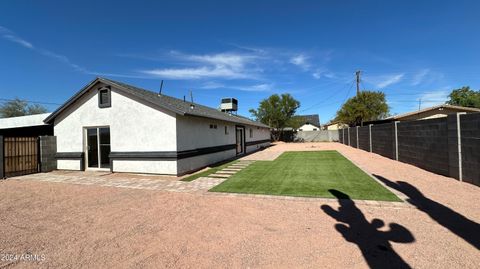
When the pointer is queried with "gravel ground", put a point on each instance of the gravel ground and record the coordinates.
(96, 227)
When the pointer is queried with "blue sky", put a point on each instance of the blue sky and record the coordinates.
(411, 50)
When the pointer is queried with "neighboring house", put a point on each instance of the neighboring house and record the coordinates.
(427, 113)
(109, 125)
(334, 126)
(432, 112)
(25, 126)
(308, 122)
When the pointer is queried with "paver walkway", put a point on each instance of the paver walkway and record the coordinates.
(172, 184)
(121, 180)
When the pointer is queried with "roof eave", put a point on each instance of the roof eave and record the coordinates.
(71, 100)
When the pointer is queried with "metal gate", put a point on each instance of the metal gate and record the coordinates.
(21, 156)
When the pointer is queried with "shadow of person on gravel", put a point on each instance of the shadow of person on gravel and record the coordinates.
(453, 221)
(374, 244)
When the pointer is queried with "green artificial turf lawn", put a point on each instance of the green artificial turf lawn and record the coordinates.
(307, 174)
(210, 171)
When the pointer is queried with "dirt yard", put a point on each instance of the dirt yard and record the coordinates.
(89, 226)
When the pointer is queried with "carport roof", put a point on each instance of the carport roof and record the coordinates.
(169, 103)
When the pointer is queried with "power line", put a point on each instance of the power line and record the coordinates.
(329, 97)
(348, 92)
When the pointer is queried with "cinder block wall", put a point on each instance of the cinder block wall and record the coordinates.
(48, 148)
(470, 138)
(2, 172)
(363, 138)
(429, 144)
(383, 140)
(353, 137)
(424, 144)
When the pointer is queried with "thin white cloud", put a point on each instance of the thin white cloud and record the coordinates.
(426, 76)
(262, 87)
(300, 60)
(323, 73)
(212, 85)
(433, 98)
(221, 65)
(265, 87)
(12, 37)
(317, 74)
(232, 60)
(419, 76)
(9, 35)
(385, 80)
(195, 73)
(18, 40)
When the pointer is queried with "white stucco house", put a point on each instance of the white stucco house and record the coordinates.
(308, 127)
(109, 125)
(308, 122)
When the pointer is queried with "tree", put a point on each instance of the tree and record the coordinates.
(464, 97)
(18, 107)
(276, 111)
(366, 106)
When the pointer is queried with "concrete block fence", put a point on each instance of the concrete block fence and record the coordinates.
(48, 149)
(448, 146)
(316, 136)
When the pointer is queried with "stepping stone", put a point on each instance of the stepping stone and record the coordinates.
(220, 175)
(226, 172)
(231, 169)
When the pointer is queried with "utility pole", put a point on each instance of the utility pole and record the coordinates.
(419, 103)
(358, 81)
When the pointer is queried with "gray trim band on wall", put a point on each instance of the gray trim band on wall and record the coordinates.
(72, 156)
(69, 155)
(252, 143)
(168, 155)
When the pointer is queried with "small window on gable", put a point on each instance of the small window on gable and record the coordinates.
(251, 132)
(104, 98)
(226, 129)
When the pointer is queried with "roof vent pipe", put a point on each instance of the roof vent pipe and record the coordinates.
(161, 87)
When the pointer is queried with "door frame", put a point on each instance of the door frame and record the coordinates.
(244, 147)
(85, 147)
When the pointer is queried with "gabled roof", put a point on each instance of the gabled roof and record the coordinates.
(168, 103)
(459, 108)
(311, 119)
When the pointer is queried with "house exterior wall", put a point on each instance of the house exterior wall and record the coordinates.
(258, 134)
(308, 127)
(195, 133)
(336, 126)
(134, 127)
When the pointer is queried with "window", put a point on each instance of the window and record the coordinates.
(104, 98)
(251, 132)
(213, 126)
(226, 129)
